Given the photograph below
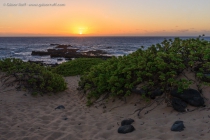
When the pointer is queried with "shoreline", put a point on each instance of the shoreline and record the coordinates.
(116, 46)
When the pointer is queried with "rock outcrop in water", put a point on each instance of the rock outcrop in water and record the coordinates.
(67, 51)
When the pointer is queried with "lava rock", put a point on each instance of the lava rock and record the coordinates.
(67, 52)
(54, 44)
(138, 91)
(179, 105)
(59, 59)
(154, 93)
(63, 46)
(191, 96)
(60, 107)
(157, 92)
(65, 118)
(40, 53)
(178, 126)
(126, 129)
(127, 122)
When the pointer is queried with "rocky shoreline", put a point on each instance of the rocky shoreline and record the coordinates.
(67, 51)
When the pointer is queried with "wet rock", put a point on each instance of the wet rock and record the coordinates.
(126, 129)
(191, 96)
(40, 53)
(60, 107)
(67, 59)
(178, 126)
(179, 105)
(54, 44)
(95, 52)
(59, 59)
(61, 50)
(66, 52)
(63, 46)
(127, 122)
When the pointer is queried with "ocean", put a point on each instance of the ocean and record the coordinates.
(21, 47)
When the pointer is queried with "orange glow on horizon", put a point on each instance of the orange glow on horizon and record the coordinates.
(104, 18)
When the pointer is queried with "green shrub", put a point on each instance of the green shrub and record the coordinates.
(156, 67)
(32, 76)
(77, 66)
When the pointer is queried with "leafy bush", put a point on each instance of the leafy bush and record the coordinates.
(77, 66)
(155, 67)
(32, 76)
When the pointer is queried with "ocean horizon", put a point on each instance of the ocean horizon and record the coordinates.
(21, 47)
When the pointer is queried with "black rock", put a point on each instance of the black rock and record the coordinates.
(54, 44)
(191, 96)
(138, 91)
(60, 107)
(59, 59)
(126, 129)
(178, 126)
(155, 93)
(65, 118)
(179, 105)
(127, 122)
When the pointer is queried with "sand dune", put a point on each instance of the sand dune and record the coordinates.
(24, 117)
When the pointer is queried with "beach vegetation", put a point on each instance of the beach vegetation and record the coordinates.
(31, 76)
(77, 66)
(158, 66)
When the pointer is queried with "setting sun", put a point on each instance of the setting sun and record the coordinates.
(82, 30)
(79, 30)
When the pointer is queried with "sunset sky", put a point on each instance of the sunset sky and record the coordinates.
(105, 18)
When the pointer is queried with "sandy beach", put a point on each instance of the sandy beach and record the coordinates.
(24, 117)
